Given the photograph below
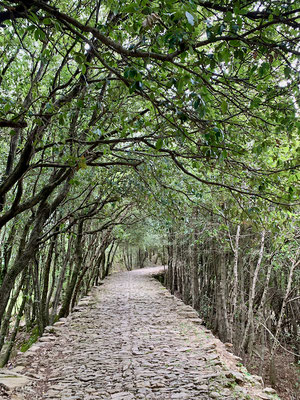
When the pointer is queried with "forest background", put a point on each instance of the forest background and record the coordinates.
(153, 130)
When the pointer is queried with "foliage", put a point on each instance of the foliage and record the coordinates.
(120, 118)
(32, 339)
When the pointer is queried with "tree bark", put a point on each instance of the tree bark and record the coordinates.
(248, 340)
(65, 308)
(235, 282)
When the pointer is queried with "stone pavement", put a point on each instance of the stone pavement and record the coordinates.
(131, 339)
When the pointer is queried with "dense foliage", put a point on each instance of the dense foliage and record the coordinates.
(115, 113)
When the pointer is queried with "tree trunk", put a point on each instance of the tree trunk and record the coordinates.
(248, 333)
(60, 282)
(235, 282)
(195, 264)
(46, 270)
(224, 315)
(294, 265)
(65, 308)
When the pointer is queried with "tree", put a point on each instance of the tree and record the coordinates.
(106, 109)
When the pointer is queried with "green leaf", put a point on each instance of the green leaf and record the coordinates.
(255, 102)
(224, 106)
(180, 84)
(47, 21)
(226, 55)
(287, 72)
(39, 34)
(223, 155)
(33, 17)
(228, 16)
(61, 119)
(7, 107)
(159, 144)
(263, 69)
(131, 8)
(197, 102)
(79, 58)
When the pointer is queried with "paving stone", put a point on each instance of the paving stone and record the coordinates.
(131, 339)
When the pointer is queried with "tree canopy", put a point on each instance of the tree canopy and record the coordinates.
(112, 112)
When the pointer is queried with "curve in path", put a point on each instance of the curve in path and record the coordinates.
(131, 339)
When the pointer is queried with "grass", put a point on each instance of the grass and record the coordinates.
(32, 339)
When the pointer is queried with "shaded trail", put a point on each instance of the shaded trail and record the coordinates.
(131, 339)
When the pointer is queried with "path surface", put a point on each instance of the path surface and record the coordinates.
(131, 339)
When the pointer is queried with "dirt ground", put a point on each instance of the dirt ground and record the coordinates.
(288, 375)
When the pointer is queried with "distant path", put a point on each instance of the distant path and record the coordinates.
(131, 339)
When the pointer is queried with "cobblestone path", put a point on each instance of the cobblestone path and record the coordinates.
(131, 339)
